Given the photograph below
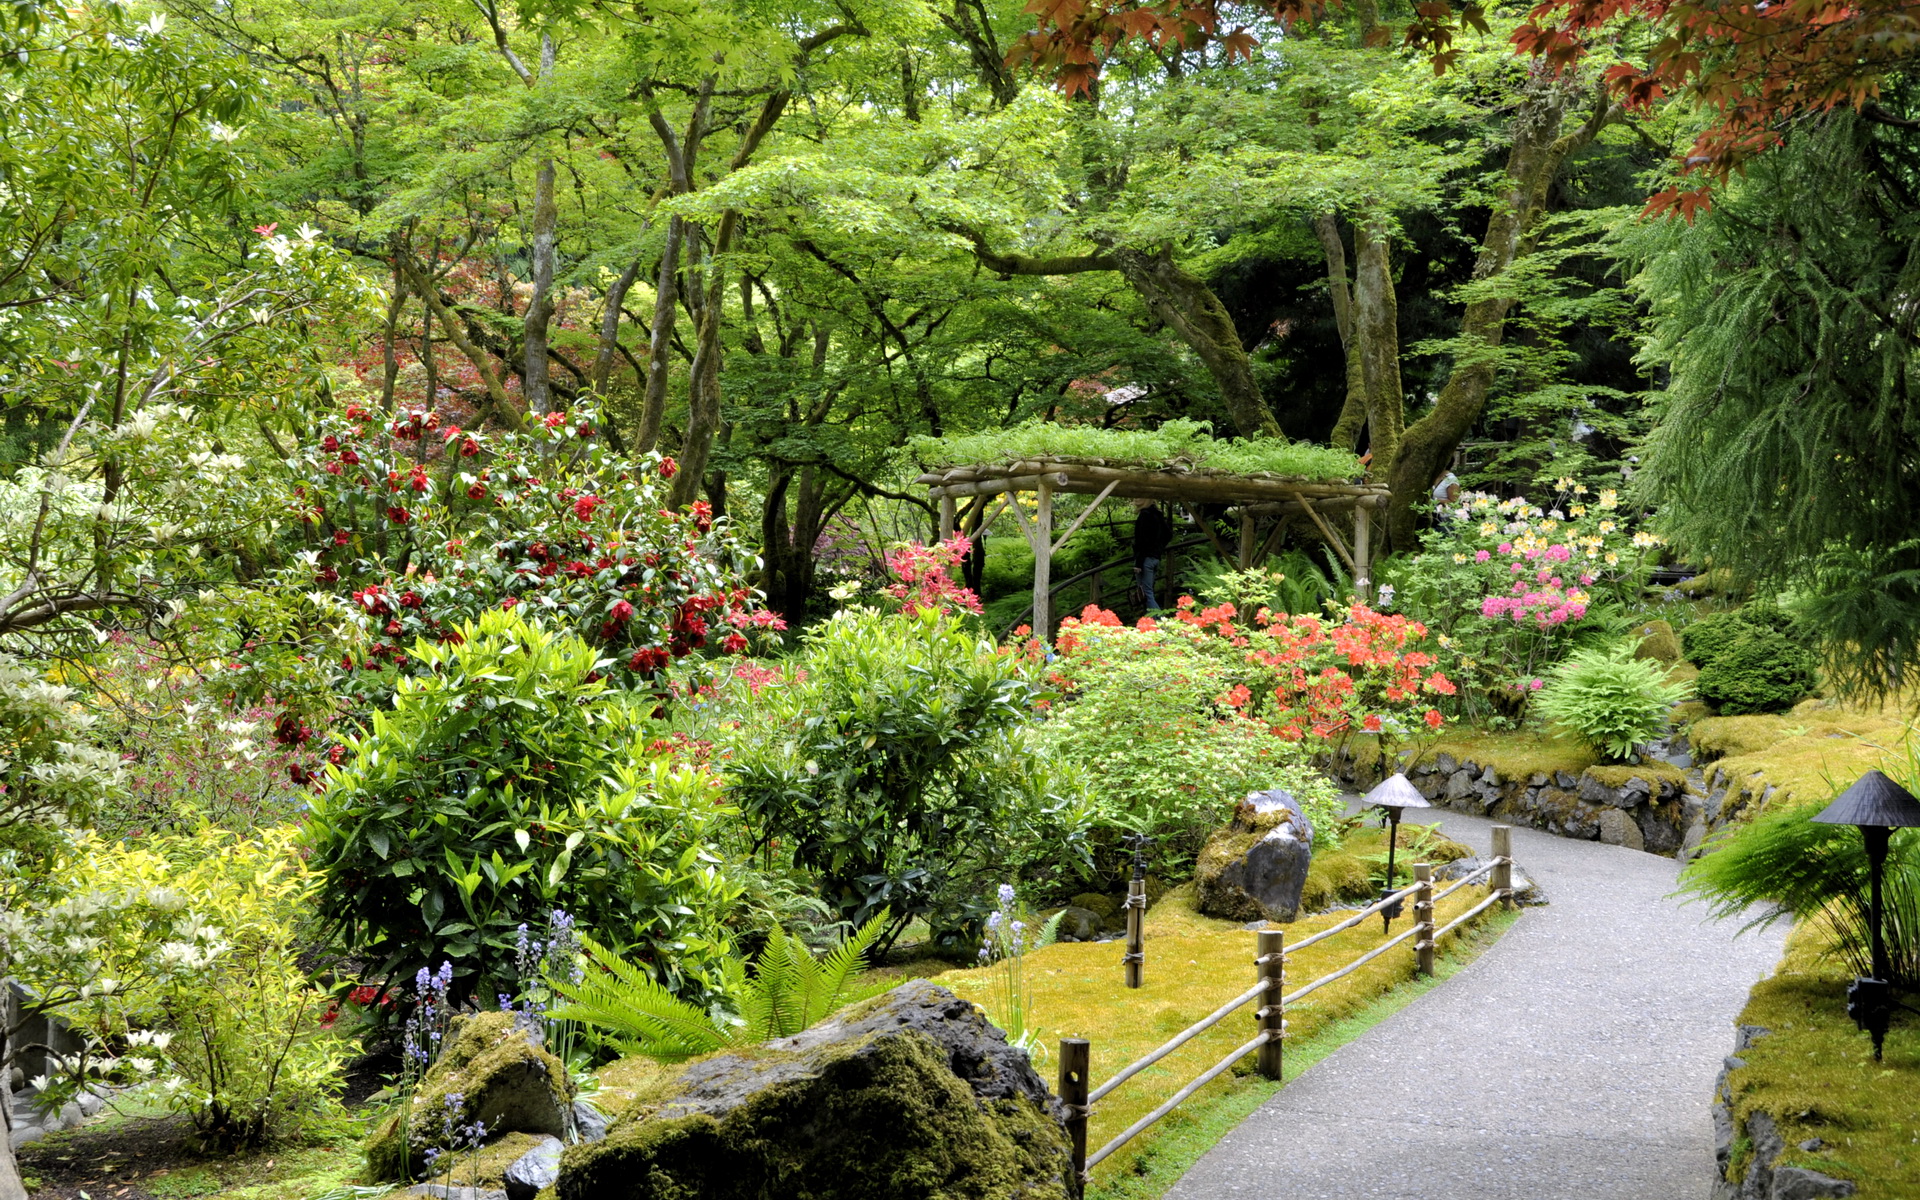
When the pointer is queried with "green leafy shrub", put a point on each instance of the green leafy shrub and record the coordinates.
(787, 990)
(1610, 699)
(895, 759)
(1705, 640)
(200, 935)
(508, 780)
(1758, 671)
(1163, 751)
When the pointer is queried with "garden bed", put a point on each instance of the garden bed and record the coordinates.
(1803, 1092)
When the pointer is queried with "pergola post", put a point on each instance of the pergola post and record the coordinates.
(1362, 553)
(1246, 538)
(948, 509)
(1042, 539)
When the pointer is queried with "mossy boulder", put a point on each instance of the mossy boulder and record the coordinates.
(1657, 642)
(912, 1096)
(1256, 867)
(502, 1077)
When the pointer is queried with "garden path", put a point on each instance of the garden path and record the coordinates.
(1573, 1060)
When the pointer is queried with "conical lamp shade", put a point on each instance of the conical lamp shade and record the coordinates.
(1397, 792)
(1873, 800)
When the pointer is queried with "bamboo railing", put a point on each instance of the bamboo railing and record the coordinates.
(1269, 961)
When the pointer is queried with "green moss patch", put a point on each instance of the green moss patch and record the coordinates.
(1515, 755)
(1653, 772)
(1815, 1075)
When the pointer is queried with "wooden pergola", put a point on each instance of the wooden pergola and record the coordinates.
(1250, 499)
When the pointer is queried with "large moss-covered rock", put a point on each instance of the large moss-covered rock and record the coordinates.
(1256, 867)
(912, 1096)
(502, 1077)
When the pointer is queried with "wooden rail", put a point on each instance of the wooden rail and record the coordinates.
(1271, 952)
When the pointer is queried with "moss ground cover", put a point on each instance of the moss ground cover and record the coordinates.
(1805, 753)
(1815, 1075)
(1177, 441)
(1194, 964)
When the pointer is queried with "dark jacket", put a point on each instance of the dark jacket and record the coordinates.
(1151, 534)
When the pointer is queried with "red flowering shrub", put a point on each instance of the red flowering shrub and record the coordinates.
(424, 528)
(923, 576)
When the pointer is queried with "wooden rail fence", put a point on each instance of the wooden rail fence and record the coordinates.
(1269, 961)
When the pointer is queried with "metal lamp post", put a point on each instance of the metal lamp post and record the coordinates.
(1393, 796)
(1878, 806)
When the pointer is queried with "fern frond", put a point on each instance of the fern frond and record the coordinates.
(641, 1016)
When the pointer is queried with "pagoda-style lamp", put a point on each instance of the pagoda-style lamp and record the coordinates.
(1394, 796)
(1878, 806)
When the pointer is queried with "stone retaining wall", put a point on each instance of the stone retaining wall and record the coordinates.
(1650, 808)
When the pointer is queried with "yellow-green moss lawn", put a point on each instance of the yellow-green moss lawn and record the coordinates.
(1194, 965)
(1816, 1076)
(1807, 754)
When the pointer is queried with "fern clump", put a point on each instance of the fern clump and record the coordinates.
(1610, 699)
(786, 990)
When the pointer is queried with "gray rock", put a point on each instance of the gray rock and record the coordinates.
(1537, 779)
(1563, 780)
(1744, 1036)
(1813, 1145)
(1257, 866)
(535, 1169)
(1798, 1183)
(1526, 892)
(1444, 763)
(919, 1071)
(1490, 779)
(1619, 829)
(1459, 785)
(1080, 925)
(22, 1134)
(1695, 835)
(1767, 1146)
(1595, 792)
(589, 1123)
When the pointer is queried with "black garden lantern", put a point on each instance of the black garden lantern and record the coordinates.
(1394, 796)
(1878, 806)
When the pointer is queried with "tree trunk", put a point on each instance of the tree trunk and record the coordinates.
(390, 333)
(546, 215)
(666, 310)
(1376, 329)
(608, 348)
(497, 401)
(1539, 150)
(1353, 413)
(1189, 307)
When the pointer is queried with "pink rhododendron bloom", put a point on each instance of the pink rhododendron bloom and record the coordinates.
(1506, 547)
(1481, 556)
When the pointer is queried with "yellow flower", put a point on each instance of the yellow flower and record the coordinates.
(1445, 642)
(1612, 558)
(1488, 529)
(1609, 498)
(1579, 489)
(1607, 527)
(1459, 558)
(1578, 510)
(1564, 482)
(1592, 553)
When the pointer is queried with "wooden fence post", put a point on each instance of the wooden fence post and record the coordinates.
(1136, 957)
(1075, 1055)
(1423, 916)
(1271, 966)
(1502, 877)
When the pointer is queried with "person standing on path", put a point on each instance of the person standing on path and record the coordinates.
(1152, 533)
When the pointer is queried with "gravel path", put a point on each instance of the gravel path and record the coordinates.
(1574, 1060)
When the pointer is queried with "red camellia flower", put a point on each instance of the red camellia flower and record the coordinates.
(340, 537)
(338, 754)
(298, 774)
(668, 468)
(621, 611)
(349, 457)
(410, 599)
(419, 480)
(333, 468)
(702, 515)
(356, 413)
(584, 506)
(735, 644)
(393, 629)
(647, 661)
(469, 448)
(326, 575)
(330, 444)
(477, 492)
(509, 602)
(399, 516)
(554, 420)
